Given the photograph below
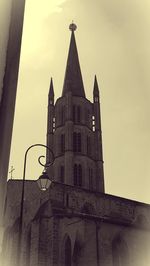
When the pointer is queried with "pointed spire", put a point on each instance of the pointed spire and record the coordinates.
(51, 92)
(73, 78)
(96, 89)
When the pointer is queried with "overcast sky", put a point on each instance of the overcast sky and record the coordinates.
(113, 42)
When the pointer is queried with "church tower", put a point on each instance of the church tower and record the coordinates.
(74, 129)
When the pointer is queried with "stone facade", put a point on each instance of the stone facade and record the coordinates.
(74, 223)
(99, 228)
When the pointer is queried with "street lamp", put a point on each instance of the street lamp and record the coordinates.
(43, 182)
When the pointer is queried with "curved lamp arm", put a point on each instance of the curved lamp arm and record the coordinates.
(39, 159)
(23, 186)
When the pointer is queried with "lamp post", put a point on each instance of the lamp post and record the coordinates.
(43, 182)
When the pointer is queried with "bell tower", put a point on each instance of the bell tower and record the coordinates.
(74, 128)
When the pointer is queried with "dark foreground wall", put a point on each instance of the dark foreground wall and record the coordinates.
(11, 23)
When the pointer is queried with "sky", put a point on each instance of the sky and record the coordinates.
(113, 42)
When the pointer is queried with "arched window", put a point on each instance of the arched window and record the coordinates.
(87, 116)
(79, 142)
(78, 175)
(76, 142)
(62, 143)
(67, 261)
(90, 178)
(76, 114)
(75, 174)
(63, 115)
(88, 145)
(76, 254)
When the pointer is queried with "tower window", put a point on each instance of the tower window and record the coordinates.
(76, 114)
(76, 142)
(63, 143)
(62, 174)
(79, 142)
(87, 116)
(91, 178)
(75, 174)
(67, 253)
(88, 145)
(63, 114)
(78, 175)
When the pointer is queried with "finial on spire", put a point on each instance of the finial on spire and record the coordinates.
(72, 27)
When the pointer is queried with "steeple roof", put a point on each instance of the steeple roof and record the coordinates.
(73, 78)
(51, 89)
(96, 89)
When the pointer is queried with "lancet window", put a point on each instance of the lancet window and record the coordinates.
(76, 114)
(62, 174)
(76, 142)
(88, 145)
(67, 252)
(90, 178)
(63, 115)
(77, 175)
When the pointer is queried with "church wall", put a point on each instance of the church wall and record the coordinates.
(93, 221)
(83, 232)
